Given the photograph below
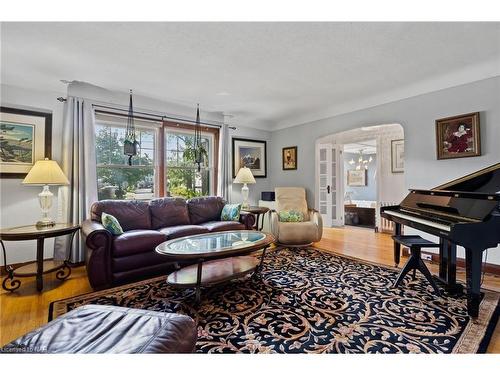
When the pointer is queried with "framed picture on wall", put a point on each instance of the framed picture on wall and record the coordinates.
(25, 137)
(289, 158)
(397, 156)
(458, 136)
(252, 154)
(357, 177)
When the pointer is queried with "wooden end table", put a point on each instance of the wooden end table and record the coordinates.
(40, 266)
(257, 211)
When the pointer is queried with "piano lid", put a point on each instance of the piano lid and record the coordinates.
(486, 181)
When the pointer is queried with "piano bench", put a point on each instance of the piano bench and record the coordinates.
(415, 244)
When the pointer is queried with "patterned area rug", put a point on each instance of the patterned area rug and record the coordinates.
(310, 301)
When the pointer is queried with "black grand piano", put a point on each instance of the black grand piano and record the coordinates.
(464, 212)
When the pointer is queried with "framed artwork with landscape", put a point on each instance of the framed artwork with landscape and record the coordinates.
(458, 136)
(252, 154)
(357, 177)
(25, 137)
(289, 158)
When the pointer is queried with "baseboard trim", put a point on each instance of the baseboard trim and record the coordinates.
(491, 268)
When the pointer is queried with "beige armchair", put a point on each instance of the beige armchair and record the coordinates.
(295, 234)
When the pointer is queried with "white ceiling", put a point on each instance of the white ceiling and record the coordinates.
(268, 75)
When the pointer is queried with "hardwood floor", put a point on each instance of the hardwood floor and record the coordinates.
(26, 309)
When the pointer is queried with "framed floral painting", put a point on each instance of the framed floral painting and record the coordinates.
(25, 137)
(289, 158)
(458, 136)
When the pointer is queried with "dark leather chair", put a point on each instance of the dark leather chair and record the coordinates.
(113, 260)
(110, 329)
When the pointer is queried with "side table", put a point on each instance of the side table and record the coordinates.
(257, 211)
(40, 266)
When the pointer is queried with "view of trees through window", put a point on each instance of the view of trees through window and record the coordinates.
(183, 178)
(117, 180)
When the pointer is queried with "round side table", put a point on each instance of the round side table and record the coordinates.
(40, 266)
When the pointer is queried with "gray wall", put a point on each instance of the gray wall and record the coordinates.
(417, 115)
(368, 192)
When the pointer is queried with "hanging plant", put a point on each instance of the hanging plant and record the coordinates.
(199, 151)
(130, 144)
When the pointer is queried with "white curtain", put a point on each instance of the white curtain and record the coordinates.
(79, 165)
(224, 175)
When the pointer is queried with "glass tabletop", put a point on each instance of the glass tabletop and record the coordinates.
(33, 229)
(211, 243)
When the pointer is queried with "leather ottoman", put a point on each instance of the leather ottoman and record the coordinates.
(110, 329)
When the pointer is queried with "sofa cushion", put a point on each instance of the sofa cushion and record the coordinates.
(182, 231)
(203, 209)
(129, 213)
(167, 212)
(137, 241)
(220, 226)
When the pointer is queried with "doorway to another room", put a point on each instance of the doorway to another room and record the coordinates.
(357, 172)
(360, 183)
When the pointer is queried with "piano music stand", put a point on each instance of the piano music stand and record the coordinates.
(415, 244)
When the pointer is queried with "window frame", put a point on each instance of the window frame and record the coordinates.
(160, 129)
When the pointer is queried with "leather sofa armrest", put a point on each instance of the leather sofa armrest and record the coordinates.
(317, 219)
(248, 219)
(98, 241)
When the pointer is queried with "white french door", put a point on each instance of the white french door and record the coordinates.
(329, 168)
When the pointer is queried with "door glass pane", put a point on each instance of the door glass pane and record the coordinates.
(322, 154)
(333, 156)
(322, 181)
(322, 196)
(322, 168)
(322, 209)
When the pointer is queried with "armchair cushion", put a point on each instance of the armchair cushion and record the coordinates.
(291, 216)
(292, 198)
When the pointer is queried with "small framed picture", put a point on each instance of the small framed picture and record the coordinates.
(397, 155)
(357, 177)
(252, 154)
(25, 137)
(458, 136)
(289, 158)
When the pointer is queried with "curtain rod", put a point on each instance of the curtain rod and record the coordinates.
(161, 117)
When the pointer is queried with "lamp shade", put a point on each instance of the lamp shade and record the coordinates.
(46, 172)
(244, 176)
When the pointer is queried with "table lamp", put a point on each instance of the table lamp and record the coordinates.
(244, 177)
(45, 172)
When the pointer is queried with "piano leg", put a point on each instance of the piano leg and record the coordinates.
(448, 266)
(473, 261)
(443, 259)
(397, 246)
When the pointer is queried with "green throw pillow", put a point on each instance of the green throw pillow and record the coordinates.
(231, 212)
(291, 216)
(111, 223)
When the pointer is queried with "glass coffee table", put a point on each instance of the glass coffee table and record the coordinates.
(218, 257)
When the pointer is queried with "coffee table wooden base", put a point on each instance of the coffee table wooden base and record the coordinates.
(213, 272)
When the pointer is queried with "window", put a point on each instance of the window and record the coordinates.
(182, 175)
(164, 147)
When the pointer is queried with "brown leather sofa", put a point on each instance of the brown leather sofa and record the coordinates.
(113, 260)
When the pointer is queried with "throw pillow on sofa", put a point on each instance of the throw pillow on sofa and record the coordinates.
(111, 223)
(231, 212)
(291, 216)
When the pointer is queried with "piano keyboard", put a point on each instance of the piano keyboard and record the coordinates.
(419, 220)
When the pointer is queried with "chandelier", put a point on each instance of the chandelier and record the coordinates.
(362, 163)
